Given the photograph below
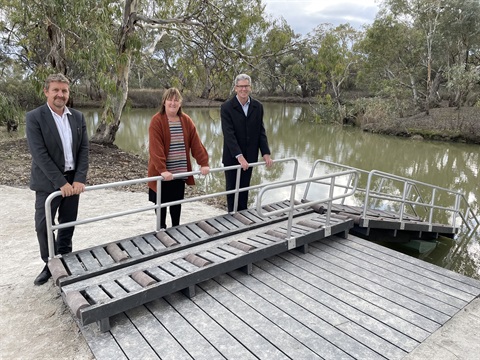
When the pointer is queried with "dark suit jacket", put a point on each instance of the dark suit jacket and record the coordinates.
(48, 160)
(243, 134)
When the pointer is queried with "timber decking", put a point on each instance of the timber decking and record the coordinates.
(100, 285)
(344, 299)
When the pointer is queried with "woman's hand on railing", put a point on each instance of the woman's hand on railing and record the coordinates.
(204, 170)
(167, 175)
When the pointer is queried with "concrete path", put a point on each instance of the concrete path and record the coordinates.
(458, 338)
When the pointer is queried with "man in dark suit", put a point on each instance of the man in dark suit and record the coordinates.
(243, 137)
(58, 142)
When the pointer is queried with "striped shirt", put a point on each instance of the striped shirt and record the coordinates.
(177, 156)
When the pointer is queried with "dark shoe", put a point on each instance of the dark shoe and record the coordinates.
(43, 277)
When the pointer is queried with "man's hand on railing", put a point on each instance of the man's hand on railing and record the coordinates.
(243, 162)
(268, 160)
(78, 187)
(67, 190)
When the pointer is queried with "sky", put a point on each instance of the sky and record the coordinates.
(304, 16)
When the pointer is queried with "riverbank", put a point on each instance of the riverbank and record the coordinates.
(441, 124)
(107, 164)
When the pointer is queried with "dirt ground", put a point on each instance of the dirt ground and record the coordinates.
(34, 322)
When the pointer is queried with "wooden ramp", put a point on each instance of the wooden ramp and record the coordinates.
(103, 281)
(388, 226)
(344, 299)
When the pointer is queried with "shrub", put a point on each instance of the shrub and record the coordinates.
(145, 98)
(372, 110)
(9, 110)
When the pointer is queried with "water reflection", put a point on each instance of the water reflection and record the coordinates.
(293, 133)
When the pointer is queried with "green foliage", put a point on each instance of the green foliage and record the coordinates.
(326, 110)
(9, 109)
(145, 98)
(461, 81)
(373, 110)
(22, 92)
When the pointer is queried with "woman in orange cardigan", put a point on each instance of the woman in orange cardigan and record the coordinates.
(172, 138)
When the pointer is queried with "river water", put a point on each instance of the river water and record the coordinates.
(293, 133)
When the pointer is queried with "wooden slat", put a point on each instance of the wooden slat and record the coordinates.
(131, 341)
(130, 248)
(388, 280)
(330, 314)
(158, 337)
(448, 277)
(218, 225)
(186, 232)
(227, 225)
(89, 261)
(142, 245)
(425, 283)
(73, 264)
(154, 242)
(197, 231)
(322, 328)
(186, 337)
(178, 237)
(128, 283)
(102, 256)
(233, 324)
(270, 323)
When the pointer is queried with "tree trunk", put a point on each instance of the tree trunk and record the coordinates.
(56, 57)
(433, 98)
(116, 100)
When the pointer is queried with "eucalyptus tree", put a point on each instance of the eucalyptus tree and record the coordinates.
(98, 39)
(424, 15)
(206, 23)
(446, 38)
(393, 60)
(336, 58)
(274, 49)
(300, 66)
(460, 28)
(72, 38)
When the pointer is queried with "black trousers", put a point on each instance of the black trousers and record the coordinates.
(230, 180)
(67, 209)
(171, 191)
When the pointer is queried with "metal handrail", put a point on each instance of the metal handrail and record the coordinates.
(429, 206)
(346, 187)
(352, 174)
(410, 188)
(51, 227)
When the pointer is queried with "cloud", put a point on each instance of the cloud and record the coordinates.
(304, 16)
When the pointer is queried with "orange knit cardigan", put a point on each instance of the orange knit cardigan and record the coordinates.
(159, 145)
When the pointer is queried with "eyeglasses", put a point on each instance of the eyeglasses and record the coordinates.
(242, 86)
